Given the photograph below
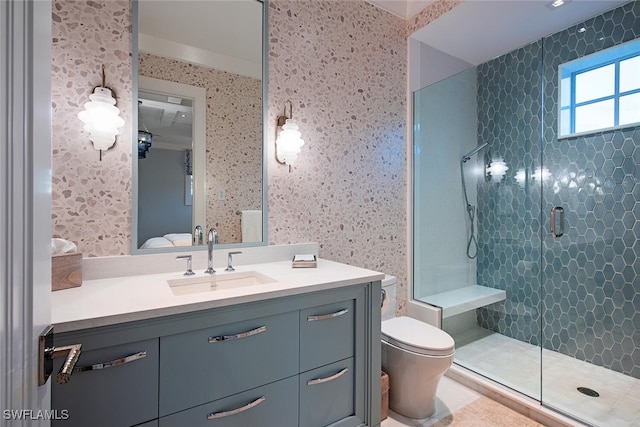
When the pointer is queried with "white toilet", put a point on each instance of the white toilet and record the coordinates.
(415, 355)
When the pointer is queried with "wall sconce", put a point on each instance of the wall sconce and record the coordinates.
(288, 141)
(101, 117)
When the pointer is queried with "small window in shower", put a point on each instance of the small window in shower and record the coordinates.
(600, 91)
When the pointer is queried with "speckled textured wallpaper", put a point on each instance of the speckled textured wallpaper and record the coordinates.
(428, 14)
(343, 65)
(234, 138)
(91, 199)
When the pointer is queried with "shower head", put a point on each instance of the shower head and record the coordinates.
(472, 152)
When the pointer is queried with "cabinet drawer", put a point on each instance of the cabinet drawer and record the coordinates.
(124, 394)
(327, 394)
(153, 423)
(273, 405)
(209, 364)
(326, 334)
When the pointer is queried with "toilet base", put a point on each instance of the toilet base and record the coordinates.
(413, 380)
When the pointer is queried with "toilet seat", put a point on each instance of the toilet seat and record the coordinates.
(416, 336)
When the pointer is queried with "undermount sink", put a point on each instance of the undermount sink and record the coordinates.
(217, 281)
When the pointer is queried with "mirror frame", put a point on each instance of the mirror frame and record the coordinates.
(134, 144)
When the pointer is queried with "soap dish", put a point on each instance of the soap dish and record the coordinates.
(304, 261)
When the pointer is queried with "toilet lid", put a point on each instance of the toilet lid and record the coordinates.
(419, 337)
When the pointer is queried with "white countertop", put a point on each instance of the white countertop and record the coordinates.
(109, 301)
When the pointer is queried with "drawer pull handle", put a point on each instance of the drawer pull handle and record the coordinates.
(117, 362)
(327, 316)
(252, 332)
(216, 415)
(327, 379)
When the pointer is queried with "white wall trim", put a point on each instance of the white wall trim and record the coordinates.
(25, 217)
(182, 52)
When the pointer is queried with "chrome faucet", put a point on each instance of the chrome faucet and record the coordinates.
(198, 236)
(212, 239)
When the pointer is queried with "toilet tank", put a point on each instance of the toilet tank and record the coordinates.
(388, 310)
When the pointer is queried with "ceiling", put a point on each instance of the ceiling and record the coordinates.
(168, 118)
(224, 32)
(218, 33)
(479, 30)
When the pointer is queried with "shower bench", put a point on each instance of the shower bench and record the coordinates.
(465, 299)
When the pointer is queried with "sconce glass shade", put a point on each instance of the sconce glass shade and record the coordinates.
(288, 143)
(101, 118)
(542, 174)
(521, 177)
(497, 169)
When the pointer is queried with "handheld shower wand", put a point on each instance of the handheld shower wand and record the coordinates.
(471, 210)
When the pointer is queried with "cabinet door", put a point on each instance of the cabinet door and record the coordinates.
(327, 394)
(118, 387)
(273, 405)
(326, 334)
(209, 364)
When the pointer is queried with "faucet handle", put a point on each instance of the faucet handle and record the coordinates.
(229, 260)
(189, 271)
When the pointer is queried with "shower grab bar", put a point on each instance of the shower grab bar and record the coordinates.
(555, 233)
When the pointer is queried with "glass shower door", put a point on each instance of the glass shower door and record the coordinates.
(510, 119)
(590, 207)
(468, 129)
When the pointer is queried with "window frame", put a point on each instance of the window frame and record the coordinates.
(570, 70)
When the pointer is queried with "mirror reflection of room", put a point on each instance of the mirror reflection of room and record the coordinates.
(225, 61)
(165, 176)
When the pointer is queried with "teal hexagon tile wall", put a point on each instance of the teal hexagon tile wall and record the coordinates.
(578, 294)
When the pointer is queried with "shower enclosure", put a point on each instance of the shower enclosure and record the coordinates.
(549, 302)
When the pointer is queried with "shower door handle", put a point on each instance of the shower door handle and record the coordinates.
(557, 221)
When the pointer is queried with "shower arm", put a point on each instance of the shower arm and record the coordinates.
(467, 156)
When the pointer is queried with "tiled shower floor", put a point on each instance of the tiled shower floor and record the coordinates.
(517, 365)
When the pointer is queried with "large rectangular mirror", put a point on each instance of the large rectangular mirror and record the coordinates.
(201, 97)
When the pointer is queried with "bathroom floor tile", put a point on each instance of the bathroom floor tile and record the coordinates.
(517, 365)
(485, 412)
(457, 405)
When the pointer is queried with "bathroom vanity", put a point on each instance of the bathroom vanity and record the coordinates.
(300, 350)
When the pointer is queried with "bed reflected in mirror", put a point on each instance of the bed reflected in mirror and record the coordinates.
(194, 58)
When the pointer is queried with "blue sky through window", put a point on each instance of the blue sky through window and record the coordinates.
(600, 91)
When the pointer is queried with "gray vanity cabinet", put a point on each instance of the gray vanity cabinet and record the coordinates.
(327, 395)
(112, 386)
(209, 364)
(266, 406)
(308, 360)
(327, 334)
